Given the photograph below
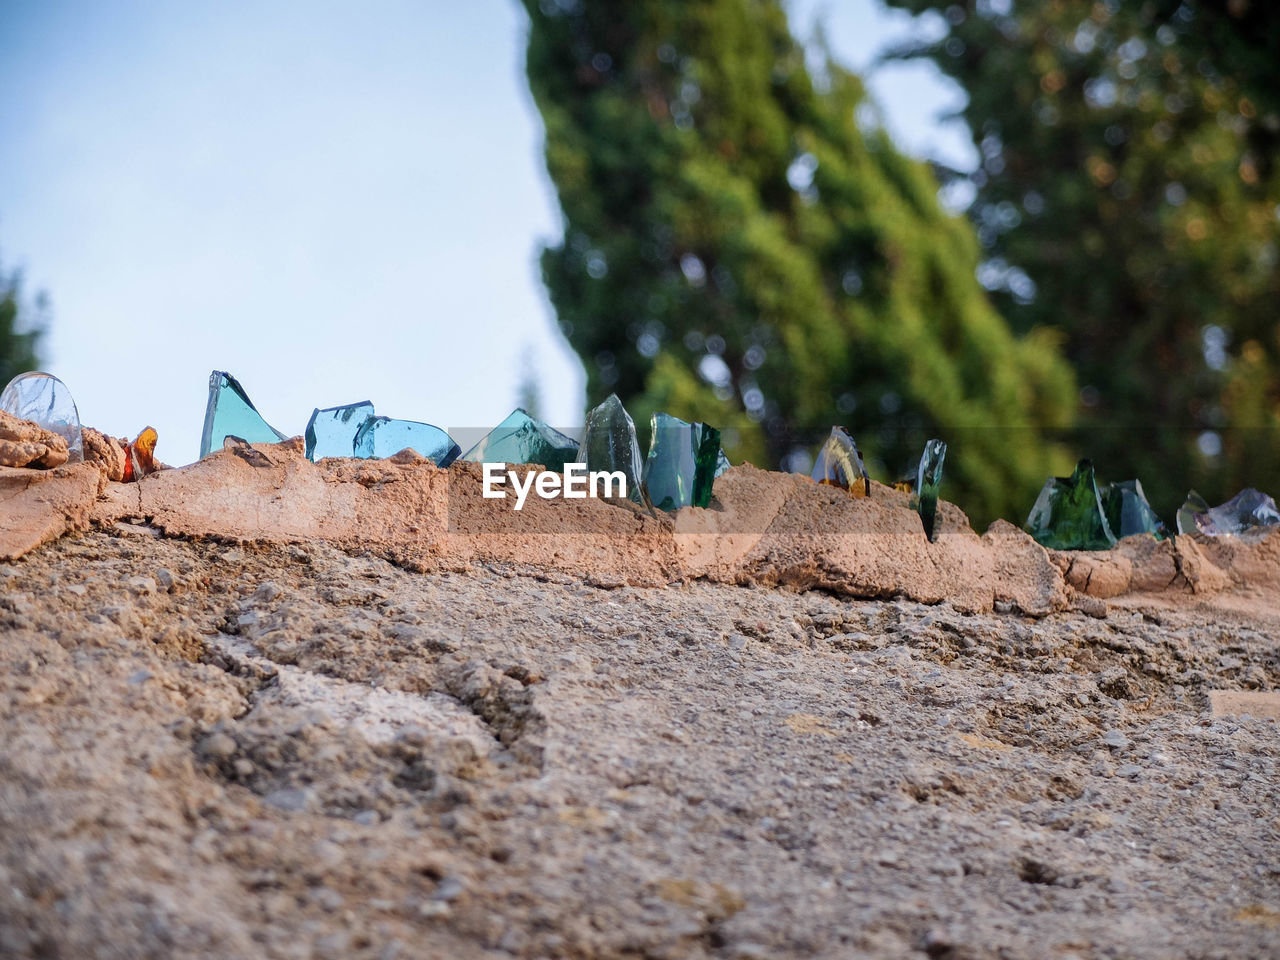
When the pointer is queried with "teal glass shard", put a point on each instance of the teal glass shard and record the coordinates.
(1248, 509)
(609, 443)
(230, 413)
(523, 439)
(332, 432)
(380, 437)
(1128, 512)
(44, 399)
(1068, 513)
(681, 466)
(839, 464)
(927, 481)
(722, 463)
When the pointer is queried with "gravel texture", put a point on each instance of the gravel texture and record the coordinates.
(212, 749)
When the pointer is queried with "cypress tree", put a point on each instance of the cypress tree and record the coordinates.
(742, 250)
(1129, 197)
(21, 327)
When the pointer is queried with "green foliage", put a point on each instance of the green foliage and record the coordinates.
(739, 251)
(1129, 197)
(21, 327)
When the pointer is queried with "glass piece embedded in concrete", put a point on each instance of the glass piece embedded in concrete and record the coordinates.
(521, 438)
(331, 432)
(839, 464)
(1068, 513)
(46, 401)
(230, 413)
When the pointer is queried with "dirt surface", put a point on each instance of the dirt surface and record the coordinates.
(219, 749)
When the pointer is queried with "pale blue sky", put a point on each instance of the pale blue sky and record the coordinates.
(332, 201)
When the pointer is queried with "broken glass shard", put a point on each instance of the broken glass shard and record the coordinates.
(722, 463)
(332, 432)
(45, 400)
(682, 461)
(230, 413)
(522, 439)
(928, 480)
(1128, 512)
(140, 456)
(609, 443)
(839, 464)
(383, 437)
(1068, 513)
(1248, 509)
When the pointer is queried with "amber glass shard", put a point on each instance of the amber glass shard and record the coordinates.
(927, 481)
(331, 432)
(1068, 513)
(140, 455)
(523, 439)
(1128, 512)
(681, 466)
(230, 413)
(609, 443)
(1248, 509)
(45, 400)
(839, 464)
(383, 437)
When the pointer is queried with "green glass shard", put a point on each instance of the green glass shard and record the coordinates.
(380, 437)
(522, 439)
(1068, 513)
(1128, 512)
(682, 461)
(1248, 509)
(927, 481)
(332, 432)
(230, 413)
(839, 464)
(609, 443)
(722, 463)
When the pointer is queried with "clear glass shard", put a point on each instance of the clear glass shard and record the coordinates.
(1128, 512)
(46, 400)
(230, 413)
(1068, 513)
(383, 437)
(722, 463)
(523, 439)
(927, 481)
(609, 443)
(681, 466)
(1248, 509)
(839, 464)
(331, 432)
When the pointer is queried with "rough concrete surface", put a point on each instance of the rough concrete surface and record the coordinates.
(241, 749)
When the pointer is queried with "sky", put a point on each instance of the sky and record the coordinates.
(332, 201)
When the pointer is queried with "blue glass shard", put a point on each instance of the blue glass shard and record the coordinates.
(722, 463)
(522, 439)
(230, 413)
(383, 437)
(44, 399)
(1128, 512)
(332, 432)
